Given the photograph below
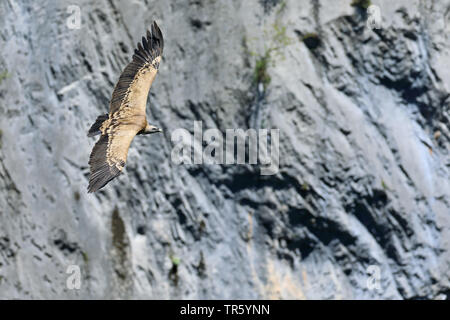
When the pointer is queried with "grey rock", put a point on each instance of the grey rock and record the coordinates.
(363, 184)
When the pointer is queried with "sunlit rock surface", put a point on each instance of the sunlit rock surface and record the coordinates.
(363, 184)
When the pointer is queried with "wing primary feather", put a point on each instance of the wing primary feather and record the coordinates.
(144, 42)
(154, 37)
(140, 49)
(158, 35)
(101, 171)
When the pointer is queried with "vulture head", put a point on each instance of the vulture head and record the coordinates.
(150, 129)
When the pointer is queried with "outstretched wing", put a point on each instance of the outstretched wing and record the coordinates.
(136, 79)
(109, 154)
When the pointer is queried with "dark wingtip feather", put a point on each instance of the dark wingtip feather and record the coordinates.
(151, 46)
(101, 172)
(144, 42)
(157, 35)
(140, 48)
(99, 183)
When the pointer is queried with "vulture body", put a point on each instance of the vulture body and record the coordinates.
(126, 117)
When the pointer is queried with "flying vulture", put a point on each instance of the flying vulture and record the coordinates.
(126, 117)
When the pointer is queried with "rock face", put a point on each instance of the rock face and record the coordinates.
(360, 207)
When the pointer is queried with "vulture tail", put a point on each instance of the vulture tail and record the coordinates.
(95, 128)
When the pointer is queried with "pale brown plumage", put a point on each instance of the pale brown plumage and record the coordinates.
(127, 116)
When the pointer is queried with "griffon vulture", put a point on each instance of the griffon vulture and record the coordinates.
(126, 117)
